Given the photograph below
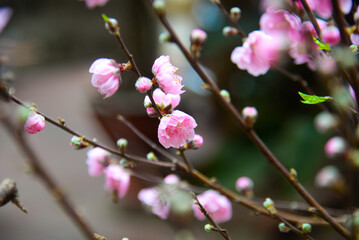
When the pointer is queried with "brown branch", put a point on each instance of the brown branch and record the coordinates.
(252, 135)
(311, 17)
(50, 183)
(293, 228)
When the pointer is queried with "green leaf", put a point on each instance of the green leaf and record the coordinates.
(105, 18)
(324, 46)
(313, 99)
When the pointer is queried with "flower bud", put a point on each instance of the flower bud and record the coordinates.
(229, 31)
(235, 13)
(198, 36)
(268, 204)
(159, 6)
(196, 142)
(143, 84)
(171, 179)
(335, 147)
(329, 177)
(34, 123)
(151, 156)
(122, 144)
(78, 143)
(225, 94)
(112, 25)
(250, 115)
(208, 227)
(283, 228)
(165, 37)
(331, 35)
(306, 228)
(244, 185)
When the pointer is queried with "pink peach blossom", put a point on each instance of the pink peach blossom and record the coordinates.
(324, 8)
(34, 123)
(258, 52)
(166, 77)
(106, 76)
(280, 24)
(175, 129)
(331, 35)
(336, 146)
(172, 179)
(143, 84)
(218, 206)
(151, 197)
(95, 3)
(244, 184)
(5, 15)
(97, 158)
(165, 102)
(117, 179)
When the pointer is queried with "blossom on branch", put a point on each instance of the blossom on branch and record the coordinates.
(165, 102)
(97, 159)
(257, 54)
(151, 197)
(95, 3)
(175, 129)
(34, 123)
(218, 206)
(117, 179)
(166, 77)
(106, 76)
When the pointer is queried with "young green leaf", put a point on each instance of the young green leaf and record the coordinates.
(104, 17)
(313, 99)
(324, 46)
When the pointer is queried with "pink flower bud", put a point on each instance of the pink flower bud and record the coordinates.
(117, 179)
(218, 206)
(328, 177)
(34, 123)
(151, 197)
(250, 115)
(171, 179)
(197, 142)
(198, 36)
(336, 146)
(106, 76)
(95, 3)
(175, 129)
(331, 35)
(235, 13)
(143, 84)
(244, 185)
(166, 77)
(97, 159)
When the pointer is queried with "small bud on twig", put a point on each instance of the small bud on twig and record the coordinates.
(208, 227)
(268, 204)
(8, 192)
(225, 94)
(306, 228)
(122, 145)
(283, 228)
(159, 6)
(98, 236)
(235, 13)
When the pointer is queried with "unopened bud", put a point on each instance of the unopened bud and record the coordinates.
(151, 156)
(335, 147)
(112, 25)
(250, 115)
(208, 227)
(235, 13)
(159, 6)
(306, 228)
(198, 36)
(283, 228)
(329, 177)
(225, 94)
(122, 144)
(244, 185)
(229, 31)
(165, 37)
(268, 204)
(325, 122)
(196, 142)
(143, 84)
(78, 143)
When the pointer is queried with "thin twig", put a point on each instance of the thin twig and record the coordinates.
(312, 18)
(252, 135)
(50, 183)
(293, 228)
(189, 167)
(218, 229)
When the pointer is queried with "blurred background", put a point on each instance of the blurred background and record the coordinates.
(50, 46)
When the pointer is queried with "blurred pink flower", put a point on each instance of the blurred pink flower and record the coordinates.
(328, 177)
(95, 3)
(258, 52)
(151, 198)
(198, 36)
(244, 184)
(117, 179)
(166, 77)
(324, 7)
(175, 129)
(143, 84)
(196, 142)
(165, 102)
(331, 35)
(336, 146)
(97, 158)
(218, 206)
(106, 76)
(34, 123)
(280, 24)
(5, 14)
(354, 37)
(172, 179)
